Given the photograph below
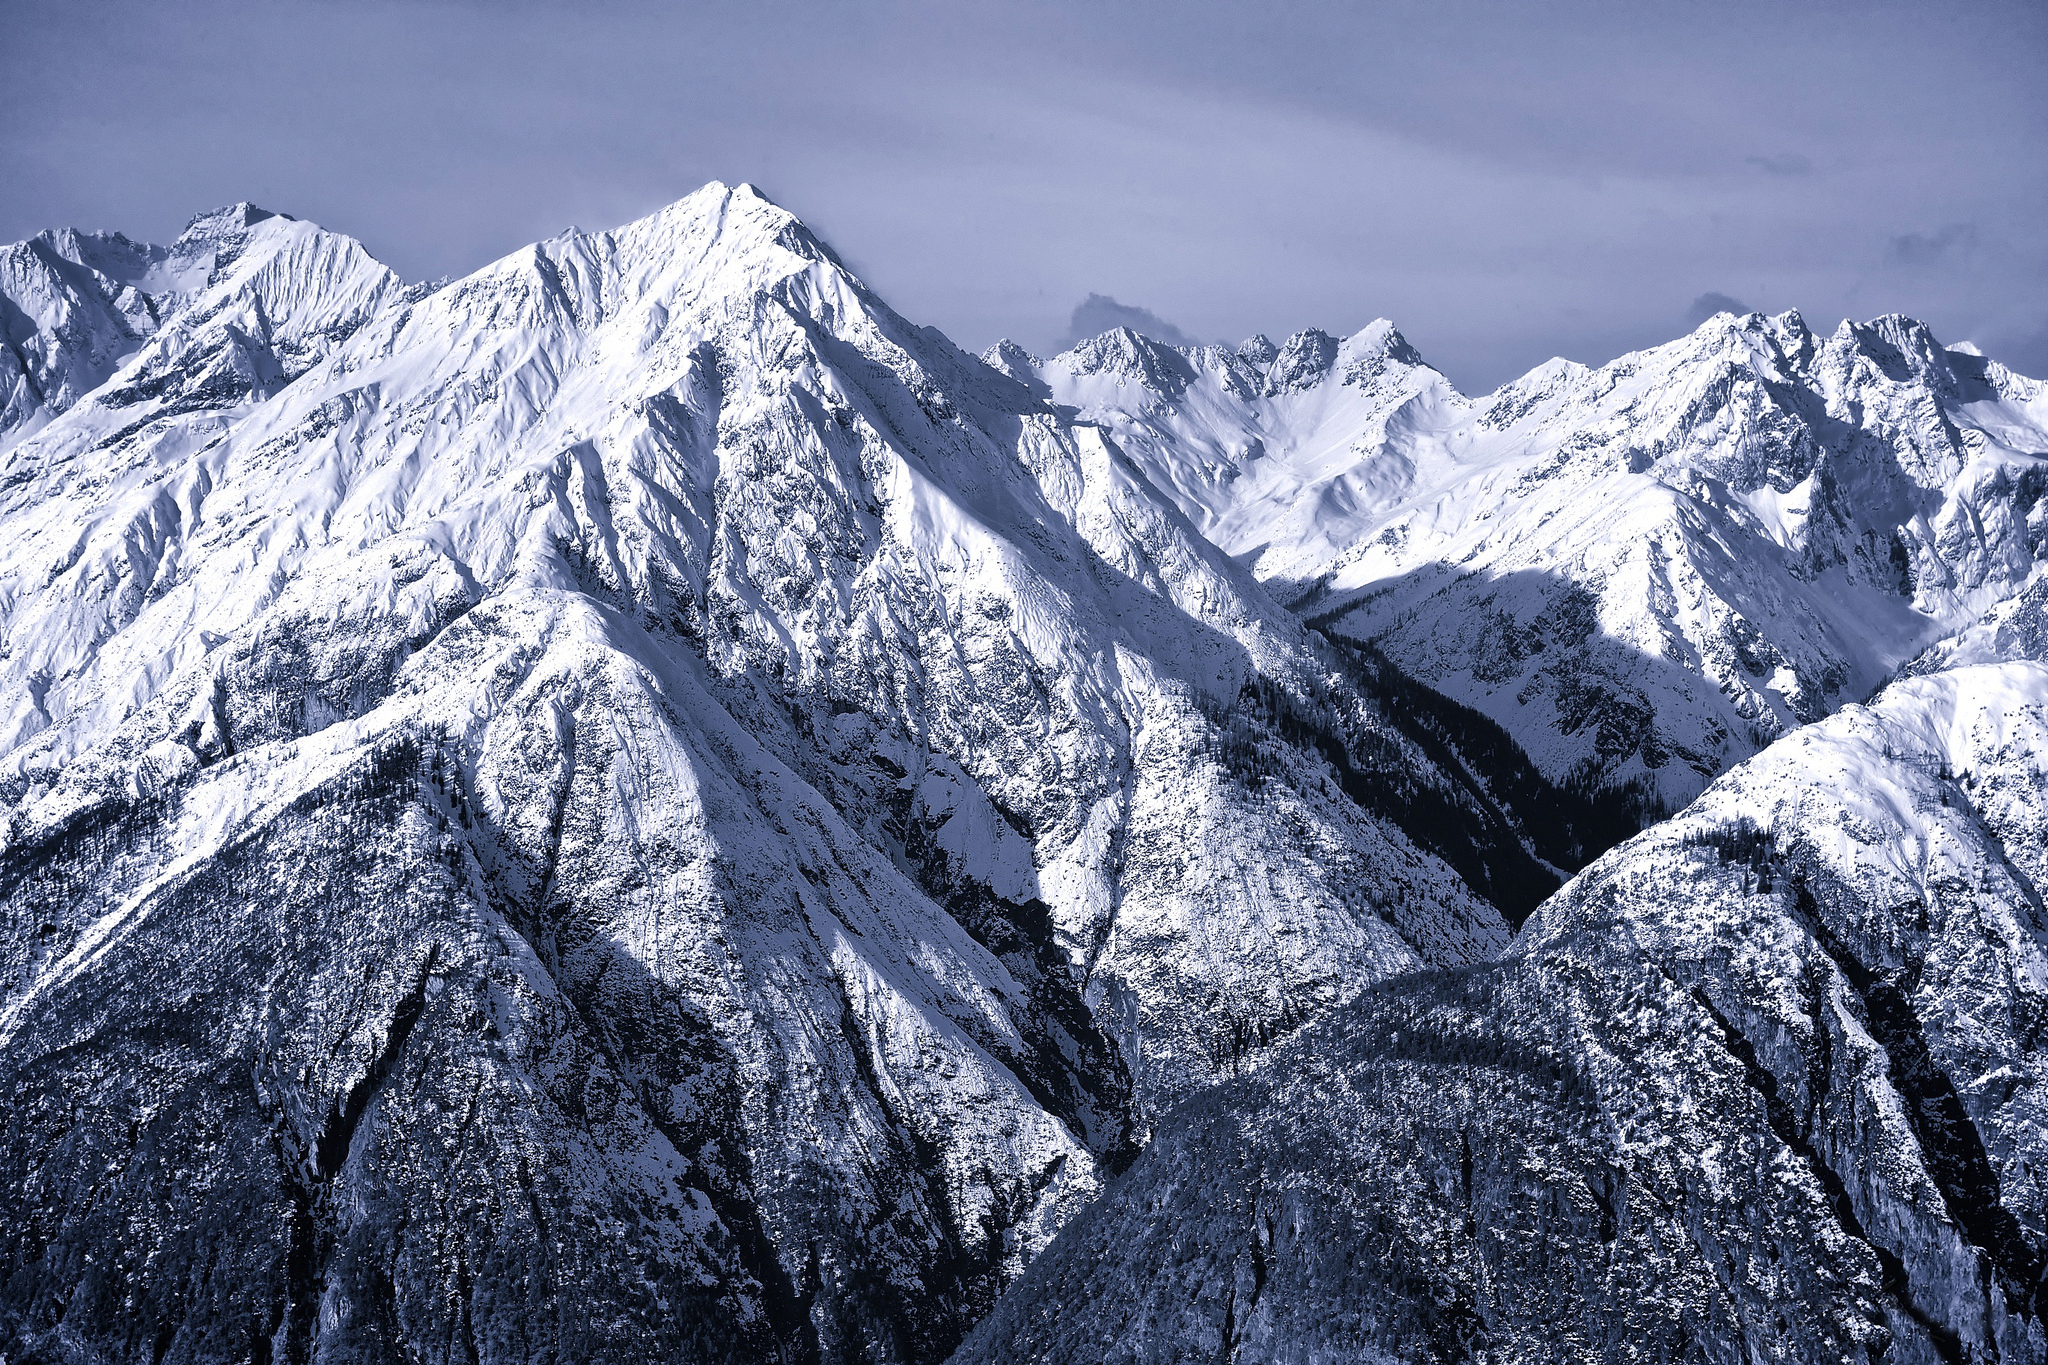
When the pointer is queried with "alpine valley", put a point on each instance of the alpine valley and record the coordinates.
(638, 806)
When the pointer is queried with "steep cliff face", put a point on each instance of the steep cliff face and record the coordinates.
(637, 805)
(1645, 571)
(1761, 1083)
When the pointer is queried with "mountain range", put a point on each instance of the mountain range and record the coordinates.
(1782, 518)
(638, 805)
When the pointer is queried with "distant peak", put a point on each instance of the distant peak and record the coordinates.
(1558, 367)
(1901, 328)
(1383, 338)
(1728, 320)
(108, 253)
(1890, 332)
(65, 237)
(1258, 349)
(1007, 353)
(1121, 341)
(1006, 357)
(1302, 362)
(1784, 336)
(1901, 347)
(1129, 355)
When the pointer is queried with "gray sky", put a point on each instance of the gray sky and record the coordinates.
(1506, 181)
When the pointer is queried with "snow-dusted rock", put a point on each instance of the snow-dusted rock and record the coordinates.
(243, 302)
(1762, 1083)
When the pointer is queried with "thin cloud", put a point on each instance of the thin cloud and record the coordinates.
(1932, 248)
(1098, 313)
(1710, 303)
(1784, 163)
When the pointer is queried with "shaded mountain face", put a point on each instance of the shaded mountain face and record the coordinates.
(1762, 1083)
(636, 805)
(1645, 572)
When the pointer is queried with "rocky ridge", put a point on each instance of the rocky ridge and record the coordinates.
(637, 805)
(1762, 1082)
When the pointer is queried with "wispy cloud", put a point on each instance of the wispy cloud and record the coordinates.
(1932, 248)
(1098, 313)
(1710, 303)
(1784, 163)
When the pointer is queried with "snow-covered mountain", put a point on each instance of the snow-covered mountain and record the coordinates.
(1644, 571)
(1764, 1083)
(243, 302)
(635, 805)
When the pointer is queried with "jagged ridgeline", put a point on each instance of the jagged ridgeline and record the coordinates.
(1644, 572)
(635, 805)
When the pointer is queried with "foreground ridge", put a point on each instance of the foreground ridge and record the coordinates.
(1761, 1080)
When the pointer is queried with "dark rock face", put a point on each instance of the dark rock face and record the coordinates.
(1436, 1174)
(271, 1126)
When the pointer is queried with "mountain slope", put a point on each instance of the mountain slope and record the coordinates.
(638, 805)
(1644, 572)
(1761, 1083)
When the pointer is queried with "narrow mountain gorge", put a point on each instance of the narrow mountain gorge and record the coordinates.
(636, 805)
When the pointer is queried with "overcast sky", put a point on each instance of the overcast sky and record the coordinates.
(1507, 182)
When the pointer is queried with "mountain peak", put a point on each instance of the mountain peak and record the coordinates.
(1727, 320)
(740, 214)
(1381, 337)
(220, 222)
(1901, 348)
(1900, 331)
(1006, 357)
(1124, 354)
(110, 253)
(1302, 362)
(1773, 340)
